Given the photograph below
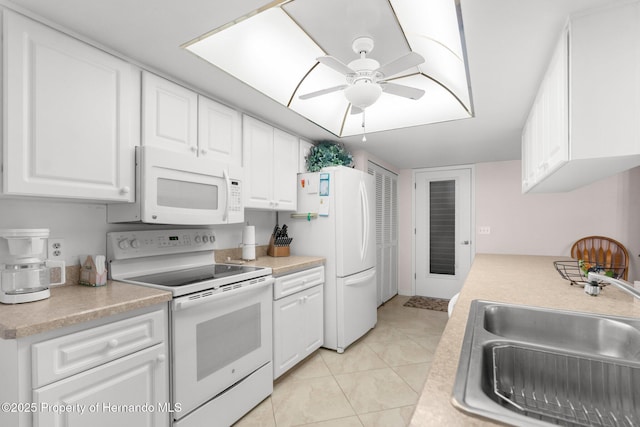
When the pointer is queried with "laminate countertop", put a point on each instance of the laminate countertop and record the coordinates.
(71, 304)
(286, 265)
(516, 279)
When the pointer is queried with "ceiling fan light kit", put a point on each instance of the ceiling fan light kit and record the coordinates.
(366, 78)
(300, 61)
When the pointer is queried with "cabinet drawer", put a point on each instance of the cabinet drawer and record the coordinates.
(295, 282)
(61, 357)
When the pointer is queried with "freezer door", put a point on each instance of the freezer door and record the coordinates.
(357, 308)
(355, 222)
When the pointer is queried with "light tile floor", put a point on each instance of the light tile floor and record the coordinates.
(375, 382)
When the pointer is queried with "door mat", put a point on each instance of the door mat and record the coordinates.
(428, 303)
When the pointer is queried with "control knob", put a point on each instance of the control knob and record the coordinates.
(123, 244)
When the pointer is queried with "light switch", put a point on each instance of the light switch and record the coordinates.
(485, 229)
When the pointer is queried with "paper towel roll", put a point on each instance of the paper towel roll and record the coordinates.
(248, 252)
(249, 235)
(249, 243)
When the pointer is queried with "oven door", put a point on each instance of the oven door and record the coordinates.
(180, 188)
(218, 339)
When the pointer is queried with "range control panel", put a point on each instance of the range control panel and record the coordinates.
(135, 244)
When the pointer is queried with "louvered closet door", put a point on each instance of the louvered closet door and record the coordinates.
(386, 232)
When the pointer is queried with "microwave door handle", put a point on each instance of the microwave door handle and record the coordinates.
(225, 175)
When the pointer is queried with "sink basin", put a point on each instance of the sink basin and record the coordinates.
(532, 366)
(596, 335)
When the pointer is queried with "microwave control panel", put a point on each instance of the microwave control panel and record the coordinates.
(235, 197)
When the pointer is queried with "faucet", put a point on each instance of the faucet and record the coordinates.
(593, 278)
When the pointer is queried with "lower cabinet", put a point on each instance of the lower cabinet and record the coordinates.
(298, 322)
(108, 372)
(122, 392)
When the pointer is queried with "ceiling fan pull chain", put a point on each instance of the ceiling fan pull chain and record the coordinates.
(364, 136)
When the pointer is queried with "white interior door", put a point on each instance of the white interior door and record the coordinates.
(443, 230)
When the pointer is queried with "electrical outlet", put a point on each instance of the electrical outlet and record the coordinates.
(484, 230)
(55, 248)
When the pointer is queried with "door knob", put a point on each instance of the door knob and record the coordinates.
(465, 242)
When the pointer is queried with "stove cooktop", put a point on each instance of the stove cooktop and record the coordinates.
(194, 275)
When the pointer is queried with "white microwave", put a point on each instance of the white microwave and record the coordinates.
(182, 189)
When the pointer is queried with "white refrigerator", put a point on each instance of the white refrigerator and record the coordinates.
(336, 219)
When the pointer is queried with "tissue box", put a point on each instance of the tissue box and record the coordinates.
(90, 274)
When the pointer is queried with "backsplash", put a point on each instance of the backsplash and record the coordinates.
(83, 226)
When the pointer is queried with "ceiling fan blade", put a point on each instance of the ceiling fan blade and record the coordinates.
(407, 61)
(356, 110)
(322, 92)
(335, 64)
(402, 90)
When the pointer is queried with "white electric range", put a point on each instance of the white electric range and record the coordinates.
(221, 320)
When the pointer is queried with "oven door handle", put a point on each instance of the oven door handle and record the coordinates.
(185, 303)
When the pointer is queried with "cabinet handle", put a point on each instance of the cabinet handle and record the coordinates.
(161, 358)
(113, 343)
(125, 190)
(203, 151)
(193, 149)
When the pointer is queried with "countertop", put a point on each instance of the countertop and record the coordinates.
(517, 279)
(71, 304)
(285, 265)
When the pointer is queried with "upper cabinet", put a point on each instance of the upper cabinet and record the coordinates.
(583, 124)
(270, 166)
(72, 116)
(305, 148)
(219, 131)
(178, 119)
(169, 115)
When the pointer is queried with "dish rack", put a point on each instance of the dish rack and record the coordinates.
(571, 271)
(567, 389)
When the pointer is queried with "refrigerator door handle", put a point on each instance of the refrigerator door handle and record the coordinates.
(359, 280)
(364, 210)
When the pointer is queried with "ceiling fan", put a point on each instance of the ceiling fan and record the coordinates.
(366, 79)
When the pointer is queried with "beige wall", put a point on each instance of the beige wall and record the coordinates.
(536, 224)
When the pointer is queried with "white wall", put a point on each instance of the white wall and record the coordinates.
(535, 224)
(84, 226)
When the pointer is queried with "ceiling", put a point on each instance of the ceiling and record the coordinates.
(508, 45)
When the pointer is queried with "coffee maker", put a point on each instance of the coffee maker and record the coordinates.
(25, 274)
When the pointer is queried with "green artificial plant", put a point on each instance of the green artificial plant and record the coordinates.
(327, 153)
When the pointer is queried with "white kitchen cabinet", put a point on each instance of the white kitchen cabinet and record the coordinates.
(219, 131)
(72, 116)
(298, 322)
(583, 124)
(128, 391)
(103, 366)
(169, 115)
(270, 166)
(304, 149)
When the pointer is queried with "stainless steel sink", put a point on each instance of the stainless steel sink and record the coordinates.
(532, 366)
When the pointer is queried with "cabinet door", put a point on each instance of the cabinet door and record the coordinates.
(257, 146)
(555, 141)
(313, 308)
(71, 118)
(288, 347)
(169, 115)
(285, 160)
(219, 132)
(107, 395)
(298, 328)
